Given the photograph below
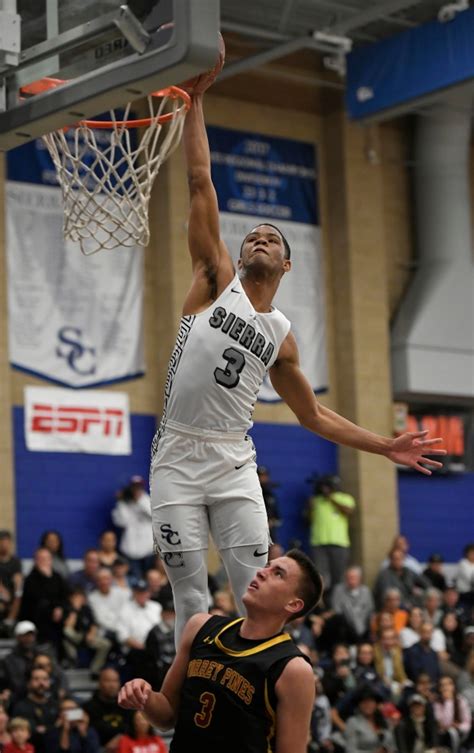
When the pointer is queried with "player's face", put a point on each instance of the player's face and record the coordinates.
(275, 588)
(264, 248)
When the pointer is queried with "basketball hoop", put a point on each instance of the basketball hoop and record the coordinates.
(106, 180)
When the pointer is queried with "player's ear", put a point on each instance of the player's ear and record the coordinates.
(286, 265)
(239, 263)
(295, 605)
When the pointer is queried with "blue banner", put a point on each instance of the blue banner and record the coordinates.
(264, 176)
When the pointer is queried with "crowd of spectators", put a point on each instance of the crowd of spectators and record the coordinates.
(393, 664)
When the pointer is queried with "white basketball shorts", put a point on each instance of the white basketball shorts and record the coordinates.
(203, 481)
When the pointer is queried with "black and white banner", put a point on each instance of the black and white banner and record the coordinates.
(92, 421)
(74, 320)
(261, 178)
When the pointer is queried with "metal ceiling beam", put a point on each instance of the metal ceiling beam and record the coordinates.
(253, 31)
(380, 12)
(285, 15)
(274, 53)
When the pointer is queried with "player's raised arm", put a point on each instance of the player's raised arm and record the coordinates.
(293, 387)
(162, 708)
(212, 265)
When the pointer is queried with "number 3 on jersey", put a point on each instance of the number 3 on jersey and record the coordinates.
(203, 718)
(229, 377)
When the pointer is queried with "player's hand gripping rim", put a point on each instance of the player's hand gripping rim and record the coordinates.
(134, 694)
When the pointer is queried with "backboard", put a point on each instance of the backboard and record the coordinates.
(109, 52)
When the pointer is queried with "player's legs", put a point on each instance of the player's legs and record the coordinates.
(187, 574)
(241, 564)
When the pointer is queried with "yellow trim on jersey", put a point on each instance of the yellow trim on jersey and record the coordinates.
(249, 651)
(272, 715)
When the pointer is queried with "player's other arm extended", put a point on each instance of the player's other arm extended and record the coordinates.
(295, 698)
(162, 708)
(293, 387)
(212, 265)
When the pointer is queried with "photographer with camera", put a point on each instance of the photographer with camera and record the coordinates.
(328, 513)
(72, 733)
(133, 513)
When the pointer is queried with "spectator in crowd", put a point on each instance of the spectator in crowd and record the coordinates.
(136, 618)
(160, 645)
(108, 719)
(465, 681)
(59, 685)
(417, 731)
(106, 602)
(86, 577)
(158, 584)
(53, 542)
(141, 738)
(271, 503)
(465, 574)
(337, 681)
(81, 630)
(452, 714)
(38, 708)
(381, 621)
(120, 573)
(11, 584)
(420, 657)
(396, 575)
(72, 733)
(388, 662)
(224, 600)
(401, 542)
(16, 665)
(107, 550)
(353, 601)
(452, 603)
(424, 686)
(44, 598)
(329, 510)
(5, 736)
(321, 722)
(20, 732)
(432, 606)
(367, 731)
(391, 604)
(434, 572)
(411, 633)
(132, 513)
(453, 639)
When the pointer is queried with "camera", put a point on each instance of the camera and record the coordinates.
(74, 715)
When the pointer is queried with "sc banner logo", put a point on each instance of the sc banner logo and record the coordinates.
(80, 357)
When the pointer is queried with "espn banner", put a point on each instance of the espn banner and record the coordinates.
(74, 320)
(260, 179)
(58, 420)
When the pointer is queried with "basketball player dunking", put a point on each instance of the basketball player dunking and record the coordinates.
(203, 469)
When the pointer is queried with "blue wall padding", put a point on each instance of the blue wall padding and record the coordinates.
(412, 64)
(437, 513)
(292, 454)
(72, 492)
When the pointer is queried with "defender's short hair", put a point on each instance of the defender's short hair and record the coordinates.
(269, 224)
(311, 583)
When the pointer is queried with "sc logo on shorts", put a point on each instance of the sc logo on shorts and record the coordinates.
(167, 534)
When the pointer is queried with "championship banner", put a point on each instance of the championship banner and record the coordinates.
(58, 420)
(74, 320)
(266, 179)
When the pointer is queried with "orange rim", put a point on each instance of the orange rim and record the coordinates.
(174, 92)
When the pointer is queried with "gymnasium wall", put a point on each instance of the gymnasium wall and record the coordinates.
(366, 224)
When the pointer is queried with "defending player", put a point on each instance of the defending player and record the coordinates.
(203, 469)
(241, 686)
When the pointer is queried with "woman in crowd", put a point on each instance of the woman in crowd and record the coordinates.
(72, 733)
(53, 541)
(453, 636)
(141, 739)
(465, 574)
(367, 730)
(452, 714)
(4, 734)
(416, 732)
(107, 549)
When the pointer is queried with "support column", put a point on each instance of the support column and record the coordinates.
(360, 295)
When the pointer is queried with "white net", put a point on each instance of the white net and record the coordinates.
(106, 175)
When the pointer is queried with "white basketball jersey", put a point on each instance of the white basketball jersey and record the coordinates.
(219, 361)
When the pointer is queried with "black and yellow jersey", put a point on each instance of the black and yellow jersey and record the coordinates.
(228, 700)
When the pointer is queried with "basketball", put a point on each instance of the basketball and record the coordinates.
(203, 81)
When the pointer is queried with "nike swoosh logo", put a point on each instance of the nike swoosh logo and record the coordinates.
(259, 554)
(238, 467)
(236, 291)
